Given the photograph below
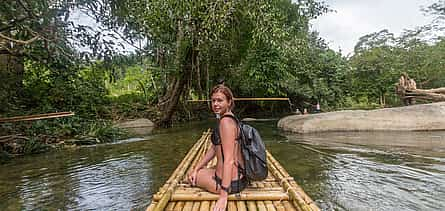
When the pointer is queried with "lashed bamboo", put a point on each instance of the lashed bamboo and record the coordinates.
(151, 206)
(283, 171)
(170, 206)
(200, 154)
(248, 191)
(254, 196)
(212, 204)
(196, 190)
(231, 205)
(241, 206)
(274, 203)
(183, 162)
(288, 206)
(188, 206)
(296, 198)
(278, 205)
(251, 205)
(190, 155)
(277, 192)
(180, 172)
(300, 198)
(179, 206)
(260, 205)
(196, 205)
(205, 206)
(267, 202)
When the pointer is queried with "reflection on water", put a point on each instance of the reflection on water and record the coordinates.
(379, 171)
(341, 171)
(118, 176)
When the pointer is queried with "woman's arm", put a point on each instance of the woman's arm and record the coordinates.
(207, 157)
(210, 154)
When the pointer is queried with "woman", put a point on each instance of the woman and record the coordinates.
(227, 177)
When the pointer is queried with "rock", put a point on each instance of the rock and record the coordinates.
(137, 127)
(247, 119)
(136, 123)
(409, 118)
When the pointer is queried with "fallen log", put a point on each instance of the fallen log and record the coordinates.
(408, 92)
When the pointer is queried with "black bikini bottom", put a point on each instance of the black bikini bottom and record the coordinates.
(236, 186)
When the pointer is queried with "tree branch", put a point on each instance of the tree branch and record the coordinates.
(19, 41)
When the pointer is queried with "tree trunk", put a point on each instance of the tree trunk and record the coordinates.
(176, 87)
(169, 109)
(11, 79)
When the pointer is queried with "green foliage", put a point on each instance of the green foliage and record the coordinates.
(81, 90)
(104, 131)
(377, 69)
(33, 146)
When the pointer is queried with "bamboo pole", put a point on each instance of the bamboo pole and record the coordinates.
(278, 206)
(300, 199)
(212, 205)
(179, 206)
(251, 205)
(196, 190)
(36, 117)
(196, 205)
(241, 206)
(165, 197)
(170, 206)
(231, 205)
(183, 162)
(267, 203)
(260, 205)
(250, 99)
(205, 206)
(274, 203)
(197, 158)
(190, 156)
(287, 206)
(255, 196)
(296, 198)
(151, 206)
(292, 181)
(188, 206)
(270, 206)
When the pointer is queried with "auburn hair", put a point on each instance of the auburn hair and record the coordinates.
(226, 92)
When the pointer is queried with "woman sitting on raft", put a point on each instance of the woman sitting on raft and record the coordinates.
(228, 176)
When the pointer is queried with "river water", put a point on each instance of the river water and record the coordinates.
(340, 171)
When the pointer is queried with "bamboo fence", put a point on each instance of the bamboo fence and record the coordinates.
(277, 192)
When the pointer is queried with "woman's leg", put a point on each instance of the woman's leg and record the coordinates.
(205, 180)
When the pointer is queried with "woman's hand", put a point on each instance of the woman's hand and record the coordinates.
(221, 204)
(192, 177)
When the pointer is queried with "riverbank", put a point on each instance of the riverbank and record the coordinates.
(426, 117)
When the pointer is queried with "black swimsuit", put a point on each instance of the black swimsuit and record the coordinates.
(238, 185)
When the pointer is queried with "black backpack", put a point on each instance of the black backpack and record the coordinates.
(253, 151)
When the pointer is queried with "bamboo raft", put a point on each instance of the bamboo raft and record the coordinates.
(278, 191)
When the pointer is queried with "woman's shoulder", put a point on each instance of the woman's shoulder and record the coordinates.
(228, 121)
